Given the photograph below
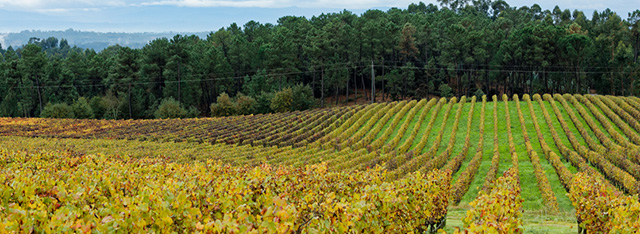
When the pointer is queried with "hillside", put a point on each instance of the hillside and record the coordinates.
(546, 139)
(88, 40)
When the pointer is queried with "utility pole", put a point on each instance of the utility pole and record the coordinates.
(373, 84)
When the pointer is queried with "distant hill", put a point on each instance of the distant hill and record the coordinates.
(90, 40)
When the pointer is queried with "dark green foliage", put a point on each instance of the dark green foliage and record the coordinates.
(263, 103)
(258, 83)
(192, 112)
(445, 91)
(302, 97)
(479, 93)
(170, 109)
(419, 52)
(223, 107)
(81, 109)
(245, 105)
(282, 101)
(111, 106)
(58, 110)
(96, 107)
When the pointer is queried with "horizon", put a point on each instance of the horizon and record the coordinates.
(186, 16)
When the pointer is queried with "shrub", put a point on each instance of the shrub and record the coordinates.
(58, 110)
(245, 105)
(445, 91)
(110, 104)
(302, 97)
(192, 112)
(223, 106)
(263, 102)
(169, 109)
(96, 107)
(282, 101)
(479, 93)
(82, 110)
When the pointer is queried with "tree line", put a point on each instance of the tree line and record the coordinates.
(460, 48)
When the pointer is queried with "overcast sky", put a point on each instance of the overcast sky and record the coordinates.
(210, 15)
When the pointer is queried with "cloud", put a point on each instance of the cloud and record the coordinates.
(66, 10)
(211, 3)
(356, 4)
(59, 6)
(66, 5)
(75, 6)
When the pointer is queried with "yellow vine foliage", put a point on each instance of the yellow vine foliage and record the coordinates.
(57, 191)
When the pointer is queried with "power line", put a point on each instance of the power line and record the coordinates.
(329, 67)
(507, 70)
(102, 84)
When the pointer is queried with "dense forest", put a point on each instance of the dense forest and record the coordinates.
(460, 48)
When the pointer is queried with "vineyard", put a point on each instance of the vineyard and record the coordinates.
(393, 167)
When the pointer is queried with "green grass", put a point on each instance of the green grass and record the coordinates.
(530, 192)
(387, 124)
(533, 222)
(536, 218)
(564, 204)
(460, 132)
(434, 130)
(588, 128)
(503, 141)
(485, 164)
(592, 115)
(572, 128)
(407, 132)
(528, 182)
(546, 132)
(473, 138)
(425, 123)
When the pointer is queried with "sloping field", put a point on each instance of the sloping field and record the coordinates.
(556, 152)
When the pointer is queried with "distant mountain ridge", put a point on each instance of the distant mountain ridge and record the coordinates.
(90, 40)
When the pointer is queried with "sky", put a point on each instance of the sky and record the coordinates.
(210, 15)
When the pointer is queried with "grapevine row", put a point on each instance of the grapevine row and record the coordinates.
(624, 110)
(463, 182)
(574, 158)
(443, 158)
(96, 193)
(338, 128)
(543, 182)
(416, 128)
(599, 209)
(424, 161)
(617, 175)
(615, 117)
(393, 142)
(495, 160)
(499, 210)
(615, 153)
(608, 143)
(606, 123)
(633, 101)
(512, 146)
(563, 173)
(399, 160)
(346, 130)
(377, 143)
(378, 120)
(266, 130)
(423, 141)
